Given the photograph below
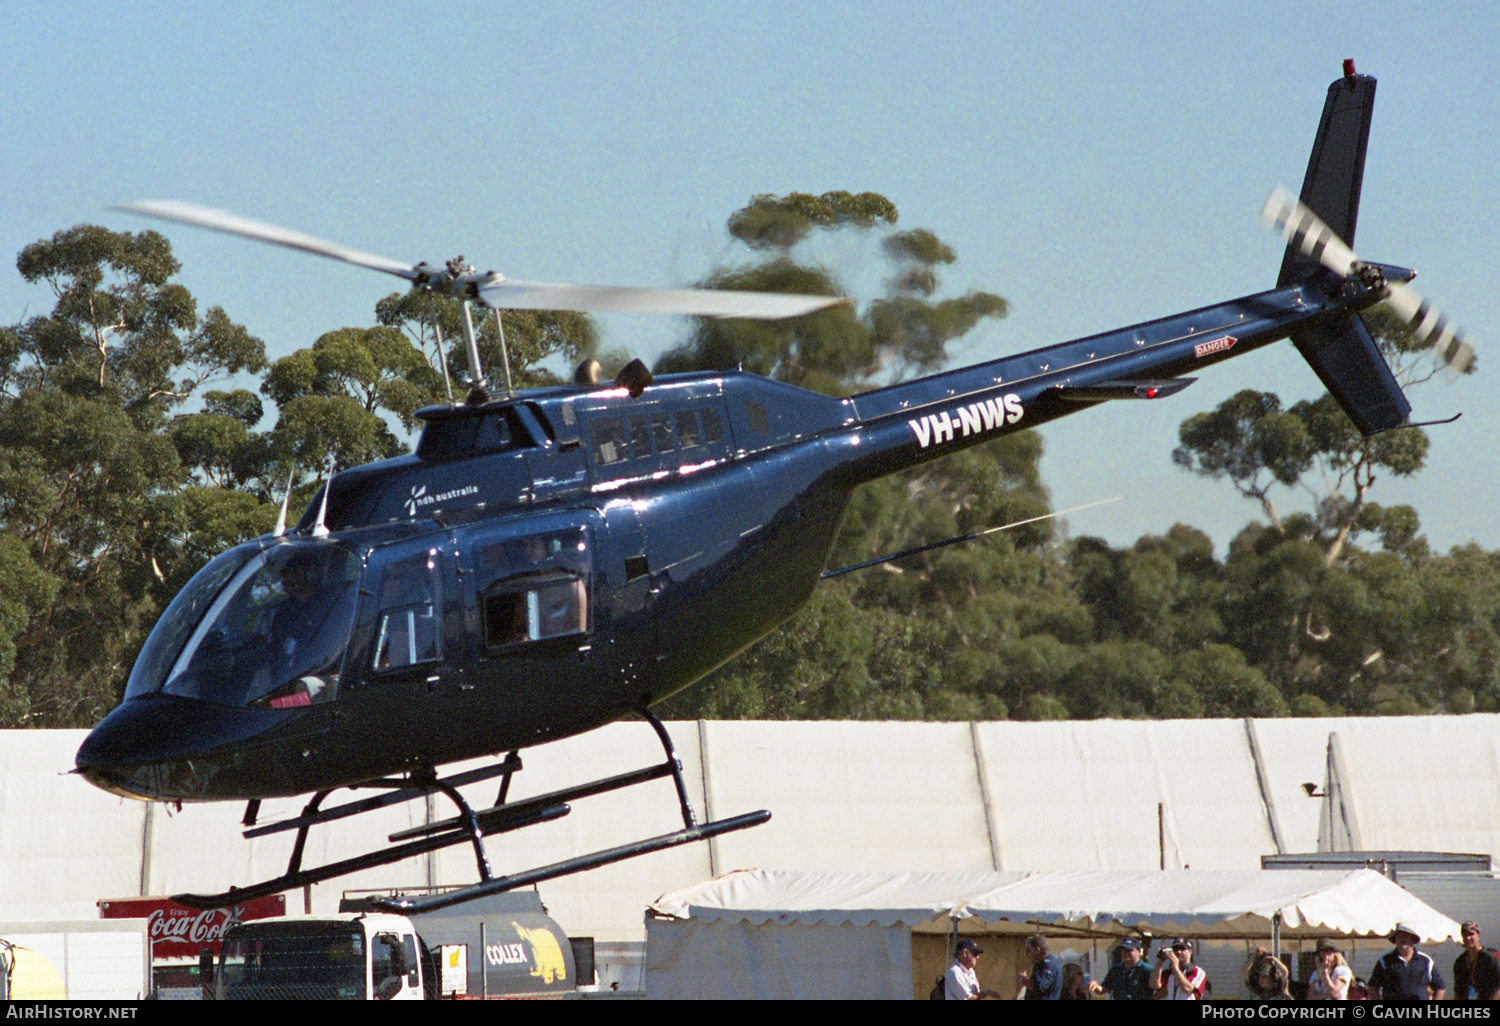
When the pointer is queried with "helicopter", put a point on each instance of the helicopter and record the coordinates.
(550, 560)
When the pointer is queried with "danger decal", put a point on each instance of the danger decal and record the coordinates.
(1212, 346)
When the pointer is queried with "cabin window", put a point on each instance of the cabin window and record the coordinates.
(713, 430)
(659, 433)
(609, 442)
(408, 632)
(640, 437)
(662, 433)
(275, 634)
(534, 588)
(687, 429)
(533, 610)
(755, 413)
(464, 436)
(391, 966)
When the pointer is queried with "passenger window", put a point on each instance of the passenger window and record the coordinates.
(640, 437)
(387, 965)
(712, 429)
(687, 428)
(408, 632)
(534, 610)
(409, 943)
(661, 432)
(534, 588)
(609, 441)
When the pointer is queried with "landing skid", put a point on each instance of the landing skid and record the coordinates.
(471, 827)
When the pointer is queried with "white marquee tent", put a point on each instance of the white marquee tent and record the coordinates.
(760, 934)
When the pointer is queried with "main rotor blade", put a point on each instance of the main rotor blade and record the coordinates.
(245, 227)
(495, 290)
(508, 294)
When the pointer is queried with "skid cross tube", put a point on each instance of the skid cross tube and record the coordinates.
(296, 877)
(401, 791)
(672, 767)
(473, 826)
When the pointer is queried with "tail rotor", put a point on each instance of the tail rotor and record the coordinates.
(1305, 231)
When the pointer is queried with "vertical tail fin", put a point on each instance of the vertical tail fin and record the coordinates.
(1342, 353)
(1336, 168)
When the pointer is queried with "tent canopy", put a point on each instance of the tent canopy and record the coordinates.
(1209, 904)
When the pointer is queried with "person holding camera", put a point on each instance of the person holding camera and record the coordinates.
(1176, 977)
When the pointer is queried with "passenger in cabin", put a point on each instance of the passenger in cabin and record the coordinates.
(408, 624)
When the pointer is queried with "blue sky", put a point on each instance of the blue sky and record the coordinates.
(1096, 164)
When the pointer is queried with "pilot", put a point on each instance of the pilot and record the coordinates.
(297, 627)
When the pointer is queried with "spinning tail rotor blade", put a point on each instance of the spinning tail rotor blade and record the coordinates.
(1447, 341)
(234, 224)
(507, 294)
(1303, 229)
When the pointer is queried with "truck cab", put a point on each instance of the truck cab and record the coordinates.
(349, 956)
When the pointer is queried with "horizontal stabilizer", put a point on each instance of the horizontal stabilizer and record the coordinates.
(1134, 389)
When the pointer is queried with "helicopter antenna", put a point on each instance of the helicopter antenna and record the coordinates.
(965, 537)
(443, 359)
(286, 497)
(320, 529)
(504, 351)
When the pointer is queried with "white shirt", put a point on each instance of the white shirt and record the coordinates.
(960, 984)
(1194, 975)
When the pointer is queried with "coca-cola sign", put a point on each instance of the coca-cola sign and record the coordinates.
(177, 930)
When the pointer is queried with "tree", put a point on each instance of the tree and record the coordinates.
(88, 475)
(121, 324)
(840, 349)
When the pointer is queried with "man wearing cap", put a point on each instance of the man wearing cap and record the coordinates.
(1176, 977)
(1476, 972)
(960, 984)
(1128, 979)
(1406, 974)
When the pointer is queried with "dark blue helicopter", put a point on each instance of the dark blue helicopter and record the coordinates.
(550, 560)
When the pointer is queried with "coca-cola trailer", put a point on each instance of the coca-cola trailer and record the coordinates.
(179, 935)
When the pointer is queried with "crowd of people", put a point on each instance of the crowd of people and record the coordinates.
(1403, 974)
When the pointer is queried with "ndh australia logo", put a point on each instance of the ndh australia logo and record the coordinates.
(419, 497)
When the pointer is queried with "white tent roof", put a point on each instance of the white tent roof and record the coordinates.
(1200, 903)
(1217, 903)
(759, 896)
